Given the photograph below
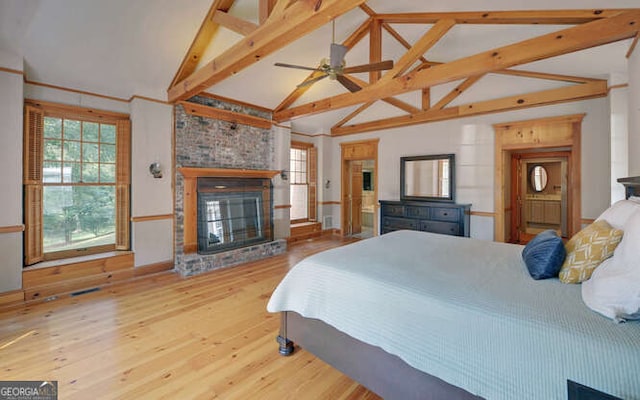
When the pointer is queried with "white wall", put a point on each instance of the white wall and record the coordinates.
(472, 141)
(11, 177)
(151, 141)
(634, 113)
(619, 97)
(281, 221)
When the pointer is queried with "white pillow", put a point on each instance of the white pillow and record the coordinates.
(635, 199)
(619, 213)
(614, 287)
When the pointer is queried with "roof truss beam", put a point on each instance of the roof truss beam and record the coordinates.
(285, 24)
(537, 17)
(553, 96)
(621, 26)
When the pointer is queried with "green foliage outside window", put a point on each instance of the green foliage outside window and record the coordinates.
(79, 184)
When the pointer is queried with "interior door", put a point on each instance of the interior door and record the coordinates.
(356, 196)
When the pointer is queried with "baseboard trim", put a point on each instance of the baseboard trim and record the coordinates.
(153, 268)
(12, 298)
(58, 282)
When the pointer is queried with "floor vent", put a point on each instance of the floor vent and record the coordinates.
(78, 293)
(327, 222)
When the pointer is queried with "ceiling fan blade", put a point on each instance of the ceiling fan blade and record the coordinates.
(347, 83)
(336, 56)
(311, 81)
(296, 66)
(379, 66)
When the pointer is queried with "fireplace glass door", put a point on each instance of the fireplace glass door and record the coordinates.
(232, 216)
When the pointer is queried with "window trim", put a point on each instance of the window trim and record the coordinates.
(312, 161)
(34, 114)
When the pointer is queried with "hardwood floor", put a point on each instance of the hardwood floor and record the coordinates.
(164, 336)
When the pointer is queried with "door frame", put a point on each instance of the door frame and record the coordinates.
(537, 134)
(357, 151)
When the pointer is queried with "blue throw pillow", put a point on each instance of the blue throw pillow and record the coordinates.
(544, 255)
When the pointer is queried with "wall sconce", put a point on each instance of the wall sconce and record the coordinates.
(327, 184)
(284, 175)
(155, 170)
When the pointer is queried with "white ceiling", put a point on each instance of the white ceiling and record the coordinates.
(125, 47)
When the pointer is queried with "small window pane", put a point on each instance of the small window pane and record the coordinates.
(108, 133)
(107, 173)
(78, 217)
(53, 150)
(108, 153)
(90, 132)
(90, 152)
(71, 129)
(52, 127)
(71, 151)
(52, 172)
(90, 172)
(71, 172)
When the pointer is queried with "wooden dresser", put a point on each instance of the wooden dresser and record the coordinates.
(436, 217)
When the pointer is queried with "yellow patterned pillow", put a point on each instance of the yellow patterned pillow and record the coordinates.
(587, 249)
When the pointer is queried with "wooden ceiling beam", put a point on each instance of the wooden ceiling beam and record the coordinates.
(547, 97)
(352, 114)
(233, 23)
(427, 41)
(265, 7)
(375, 48)
(389, 100)
(457, 91)
(225, 115)
(349, 42)
(281, 28)
(537, 17)
(400, 39)
(207, 30)
(622, 26)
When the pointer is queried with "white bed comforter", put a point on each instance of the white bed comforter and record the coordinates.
(466, 311)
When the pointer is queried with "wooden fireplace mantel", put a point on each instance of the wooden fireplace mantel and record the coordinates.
(197, 172)
(190, 200)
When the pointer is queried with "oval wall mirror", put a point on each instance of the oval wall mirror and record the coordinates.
(538, 178)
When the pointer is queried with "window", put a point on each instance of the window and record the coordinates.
(76, 182)
(302, 179)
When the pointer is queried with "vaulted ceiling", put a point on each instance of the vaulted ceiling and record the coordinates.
(122, 48)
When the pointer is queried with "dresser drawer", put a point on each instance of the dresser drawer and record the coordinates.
(447, 228)
(444, 214)
(400, 223)
(417, 212)
(393, 211)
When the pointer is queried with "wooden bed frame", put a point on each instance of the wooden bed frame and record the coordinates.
(386, 374)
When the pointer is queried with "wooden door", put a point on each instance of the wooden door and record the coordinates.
(356, 196)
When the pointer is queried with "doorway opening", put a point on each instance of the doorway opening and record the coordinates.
(359, 189)
(540, 195)
(544, 135)
(361, 198)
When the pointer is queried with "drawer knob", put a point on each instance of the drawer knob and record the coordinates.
(445, 214)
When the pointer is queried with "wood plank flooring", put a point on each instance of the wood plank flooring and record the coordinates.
(167, 337)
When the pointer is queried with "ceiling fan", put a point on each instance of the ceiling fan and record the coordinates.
(335, 67)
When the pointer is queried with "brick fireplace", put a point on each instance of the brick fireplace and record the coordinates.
(230, 167)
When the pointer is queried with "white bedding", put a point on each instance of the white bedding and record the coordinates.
(466, 311)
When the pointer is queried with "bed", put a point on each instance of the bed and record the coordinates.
(416, 315)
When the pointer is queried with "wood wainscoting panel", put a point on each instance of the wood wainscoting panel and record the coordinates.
(46, 282)
(11, 298)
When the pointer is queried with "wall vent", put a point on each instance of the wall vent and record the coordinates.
(327, 222)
